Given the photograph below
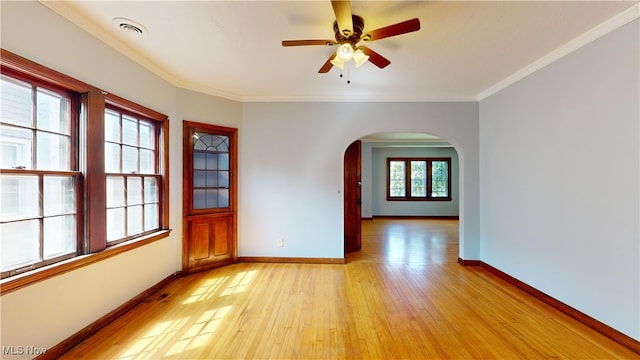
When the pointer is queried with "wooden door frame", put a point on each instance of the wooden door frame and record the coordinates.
(187, 178)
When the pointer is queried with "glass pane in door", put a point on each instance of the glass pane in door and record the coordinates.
(210, 171)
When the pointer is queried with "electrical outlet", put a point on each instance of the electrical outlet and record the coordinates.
(280, 242)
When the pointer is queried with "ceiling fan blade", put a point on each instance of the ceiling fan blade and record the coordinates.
(327, 65)
(375, 58)
(307, 42)
(342, 9)
(392, 30)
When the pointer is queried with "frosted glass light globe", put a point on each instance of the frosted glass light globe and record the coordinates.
(345, 52)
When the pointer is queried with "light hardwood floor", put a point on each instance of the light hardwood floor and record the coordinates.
(402, 297)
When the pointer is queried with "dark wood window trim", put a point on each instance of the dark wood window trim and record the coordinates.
(407, 179)
(92, 102)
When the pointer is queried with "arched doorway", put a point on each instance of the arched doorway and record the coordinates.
(365, 180)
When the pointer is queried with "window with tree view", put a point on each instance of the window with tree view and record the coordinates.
(419, 179)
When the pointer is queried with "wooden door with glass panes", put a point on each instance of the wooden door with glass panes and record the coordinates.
(209, 196)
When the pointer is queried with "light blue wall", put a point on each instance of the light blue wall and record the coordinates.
(375, 197)
(560, 179)
(291, 169)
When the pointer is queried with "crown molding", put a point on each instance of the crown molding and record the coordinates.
(63, 9)
(208, 90)
(357, 99)
(604, 28)
(80, 20)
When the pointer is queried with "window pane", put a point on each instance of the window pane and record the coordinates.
(199, 199)
(53, 112)
(115, 191)
(223, 198)
(59, 195)
(223, 161)
(147, 164)
(134, 191)
(59, 236)
(111, 158)
(212, 179)
(19, 244)
(212, 198)
(15, 102)
(199, 178)
(20, 197)
(199, 160)
(439, 179)
(201, 141)
(151, 217)
(53, 151)
(16, 147)
(129, 160)
(134, 220)
(150, 190)
(112, 126)
(147, 135)
(221, 143)
(223, 179)
(419, 178)
(213, 143)
(212, 161)
(397, 178)
(115, 224)
(129, 131)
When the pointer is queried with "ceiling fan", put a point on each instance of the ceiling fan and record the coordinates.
(349, 31)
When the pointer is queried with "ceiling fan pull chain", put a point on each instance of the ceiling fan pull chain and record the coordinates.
(348, 74)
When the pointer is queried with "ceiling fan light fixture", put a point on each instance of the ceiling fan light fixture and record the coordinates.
(337, 62)
(359, 57)
(348, 29)
(345, 52)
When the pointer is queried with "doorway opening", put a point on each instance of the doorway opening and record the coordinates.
(367, 181)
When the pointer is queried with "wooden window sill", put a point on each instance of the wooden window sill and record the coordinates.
(22, 280)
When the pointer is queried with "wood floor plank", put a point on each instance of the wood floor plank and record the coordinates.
(403, 296)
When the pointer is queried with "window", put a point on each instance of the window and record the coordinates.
(39, 180)
(419, 179)
(80, 170)
(131, 175)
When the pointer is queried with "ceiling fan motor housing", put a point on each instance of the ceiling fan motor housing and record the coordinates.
(358, 27)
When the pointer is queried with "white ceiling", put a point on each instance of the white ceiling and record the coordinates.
(464, 50)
